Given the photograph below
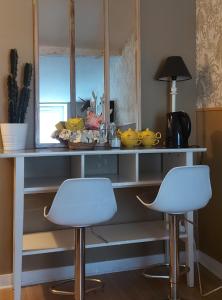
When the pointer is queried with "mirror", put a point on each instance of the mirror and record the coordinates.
(86, 51)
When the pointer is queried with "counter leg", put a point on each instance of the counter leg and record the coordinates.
(189, 245)
(18, 213)
(190, 249)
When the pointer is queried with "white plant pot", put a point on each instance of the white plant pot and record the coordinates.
(14, 135)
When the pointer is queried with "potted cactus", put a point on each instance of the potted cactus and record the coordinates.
(14, 133)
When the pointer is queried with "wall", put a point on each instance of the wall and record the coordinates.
(168, 28)
(209, 53)
(209, 117)
(15, 32)
(209, 124)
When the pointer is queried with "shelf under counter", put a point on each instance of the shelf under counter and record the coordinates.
(98, 236)
(152, 179)
(119, 181)
(41, 185)
(55, 241)
(51, 184)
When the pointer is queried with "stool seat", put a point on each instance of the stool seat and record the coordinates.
(183, 189)
(82, 202)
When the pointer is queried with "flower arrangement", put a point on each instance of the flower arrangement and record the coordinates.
(79, 136)
(75, 134)
(79, 133)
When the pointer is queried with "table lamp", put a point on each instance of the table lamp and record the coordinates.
(178, 122)
(173, 70)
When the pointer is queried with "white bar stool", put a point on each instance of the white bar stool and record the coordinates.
(80, 203)
(183, 189)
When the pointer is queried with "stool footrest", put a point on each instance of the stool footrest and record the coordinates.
(163, 270)
(56, 291)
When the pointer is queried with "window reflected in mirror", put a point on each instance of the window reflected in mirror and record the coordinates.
(54, 93)
(89, 55)
(54, 66)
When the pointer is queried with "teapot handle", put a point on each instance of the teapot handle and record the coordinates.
(155, 142)
(158, 135)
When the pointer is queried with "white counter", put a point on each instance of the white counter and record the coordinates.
(67, 152)
(39, 171)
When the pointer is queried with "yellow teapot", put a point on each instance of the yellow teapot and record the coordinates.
(129, 138)
(149, 138)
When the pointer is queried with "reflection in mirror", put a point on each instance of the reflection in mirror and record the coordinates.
(122, 48)
(89, 55)
(54, 66)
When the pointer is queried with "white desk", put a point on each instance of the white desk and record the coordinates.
(128, 168)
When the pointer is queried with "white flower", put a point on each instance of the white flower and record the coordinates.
(65, 134)
(79, 136)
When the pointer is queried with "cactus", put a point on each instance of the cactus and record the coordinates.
(18, 101)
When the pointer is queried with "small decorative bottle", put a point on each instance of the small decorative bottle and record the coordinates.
(114, 141)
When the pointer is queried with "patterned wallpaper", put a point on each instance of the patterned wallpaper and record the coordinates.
(209, 53)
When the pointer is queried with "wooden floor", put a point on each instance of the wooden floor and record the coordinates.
(124, 286)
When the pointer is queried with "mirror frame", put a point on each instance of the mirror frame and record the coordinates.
(72, 66)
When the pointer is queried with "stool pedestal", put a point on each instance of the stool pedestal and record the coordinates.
(79, 285)
(174, 257)
(79, 281)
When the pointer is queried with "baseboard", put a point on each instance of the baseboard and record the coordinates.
(6, 281)
(97, 268)
(211, 264)
(54, 274)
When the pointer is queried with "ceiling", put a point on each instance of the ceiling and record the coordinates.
(89, 21)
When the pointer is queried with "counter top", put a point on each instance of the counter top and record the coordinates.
(67, 152)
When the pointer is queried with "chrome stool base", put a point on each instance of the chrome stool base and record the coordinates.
(56, 291)
(161, 271)
(177, 299)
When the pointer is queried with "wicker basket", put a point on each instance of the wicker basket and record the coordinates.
(81, 146)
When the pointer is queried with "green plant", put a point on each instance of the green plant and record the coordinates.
(18, 100)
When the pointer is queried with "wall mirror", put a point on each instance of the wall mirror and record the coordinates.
(84, 50)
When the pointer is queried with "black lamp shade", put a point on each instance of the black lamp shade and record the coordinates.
(174, 68)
